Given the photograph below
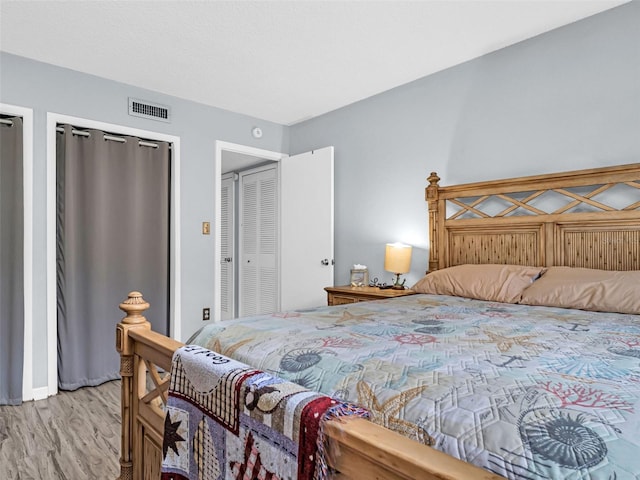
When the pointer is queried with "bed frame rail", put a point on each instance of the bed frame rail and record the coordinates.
(359, 449)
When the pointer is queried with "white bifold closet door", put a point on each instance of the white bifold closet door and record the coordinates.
(227, 234)
(258, 256)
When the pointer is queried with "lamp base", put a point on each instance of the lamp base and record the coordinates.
(397, 285)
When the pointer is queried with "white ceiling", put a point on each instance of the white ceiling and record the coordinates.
(283, 61)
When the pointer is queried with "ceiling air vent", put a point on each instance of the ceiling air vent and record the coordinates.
(153, 111)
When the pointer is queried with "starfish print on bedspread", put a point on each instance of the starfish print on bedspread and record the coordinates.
(504, 343)
(251, 466)
(171, 435)
(347, 316)
(216, 346)
(386, 413)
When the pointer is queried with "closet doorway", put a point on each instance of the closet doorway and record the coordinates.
(249, 236)
(16, 299)
(121, 189)
(302, 226)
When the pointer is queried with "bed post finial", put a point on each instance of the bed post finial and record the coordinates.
(133, 306)
(433, 179)
(431, 196)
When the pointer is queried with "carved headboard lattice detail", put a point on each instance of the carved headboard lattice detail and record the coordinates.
(584, 218)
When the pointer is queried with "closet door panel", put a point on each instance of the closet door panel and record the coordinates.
(112, 237)
(258, 242)
(227, 260)
(11, 262)
(268, 243)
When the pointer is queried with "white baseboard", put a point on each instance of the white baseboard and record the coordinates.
(40, 393)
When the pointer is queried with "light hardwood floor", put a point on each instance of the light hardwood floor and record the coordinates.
(70, 436)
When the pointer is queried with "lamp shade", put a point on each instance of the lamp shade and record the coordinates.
(397, 258)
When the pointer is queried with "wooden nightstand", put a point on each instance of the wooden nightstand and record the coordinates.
(348, 294)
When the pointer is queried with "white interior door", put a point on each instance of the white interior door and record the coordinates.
(306, 215)
(258, 209)
(227, 228)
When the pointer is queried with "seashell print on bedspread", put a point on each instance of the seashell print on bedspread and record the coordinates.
(525, 392)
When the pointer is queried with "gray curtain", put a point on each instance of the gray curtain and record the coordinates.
(11, 263)
(112, 237)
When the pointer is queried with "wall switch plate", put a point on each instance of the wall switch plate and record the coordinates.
(206, 228)
(206, 314)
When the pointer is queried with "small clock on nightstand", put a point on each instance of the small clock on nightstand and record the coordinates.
(348, 294)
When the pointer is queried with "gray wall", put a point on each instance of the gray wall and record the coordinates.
(46, 88)
(565, 100)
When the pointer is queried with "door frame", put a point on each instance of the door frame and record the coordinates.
(27, 196)
(53, 119)
(217, 179)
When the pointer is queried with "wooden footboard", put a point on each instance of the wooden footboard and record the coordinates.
(144, 354)
(358, 449)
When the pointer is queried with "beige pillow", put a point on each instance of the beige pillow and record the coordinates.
(586, 289)
(497, 283)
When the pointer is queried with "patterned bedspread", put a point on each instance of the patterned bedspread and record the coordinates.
(525, 392)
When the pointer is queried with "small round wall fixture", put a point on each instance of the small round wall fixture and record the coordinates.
(256, 132)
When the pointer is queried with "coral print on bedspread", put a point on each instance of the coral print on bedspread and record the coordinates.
(225, 420)
(526, 392)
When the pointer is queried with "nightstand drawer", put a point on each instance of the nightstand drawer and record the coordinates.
(337, 299)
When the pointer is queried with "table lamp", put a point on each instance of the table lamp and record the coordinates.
(397, 259)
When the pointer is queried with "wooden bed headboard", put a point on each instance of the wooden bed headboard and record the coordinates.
(583, 218)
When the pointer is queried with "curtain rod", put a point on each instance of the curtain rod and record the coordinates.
(4, 121)
(107, 136)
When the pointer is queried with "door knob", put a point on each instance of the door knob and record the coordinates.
(325, 261)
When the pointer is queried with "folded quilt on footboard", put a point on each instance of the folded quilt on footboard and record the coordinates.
(225, 419)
